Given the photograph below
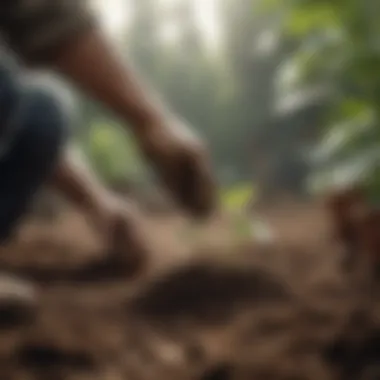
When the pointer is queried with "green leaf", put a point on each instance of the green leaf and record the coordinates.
(238, 197)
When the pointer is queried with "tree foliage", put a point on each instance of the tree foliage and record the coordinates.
(291, 90)
(340, 49)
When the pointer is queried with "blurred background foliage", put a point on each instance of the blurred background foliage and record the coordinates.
(287, 93)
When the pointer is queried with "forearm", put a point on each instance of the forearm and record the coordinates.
(76, 182)
(94, 65)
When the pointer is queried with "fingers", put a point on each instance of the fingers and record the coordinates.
(202, 188)
(185, 170)
(190, 180)
(128, 245)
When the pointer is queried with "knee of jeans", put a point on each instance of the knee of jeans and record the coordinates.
(46, 121)
(10, 91)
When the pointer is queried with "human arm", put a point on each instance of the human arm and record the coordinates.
(115, 219)
(63, 36)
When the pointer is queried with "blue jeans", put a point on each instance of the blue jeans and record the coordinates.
(33, 125)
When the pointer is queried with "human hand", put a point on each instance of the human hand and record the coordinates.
(181, 160)
(120, 224)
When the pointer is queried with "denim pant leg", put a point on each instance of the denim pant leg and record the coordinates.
(40, 123)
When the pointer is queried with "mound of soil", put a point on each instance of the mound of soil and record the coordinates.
(279, 311)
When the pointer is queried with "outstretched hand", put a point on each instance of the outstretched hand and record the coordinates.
(181, 160)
